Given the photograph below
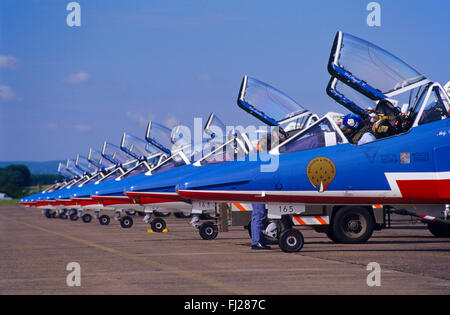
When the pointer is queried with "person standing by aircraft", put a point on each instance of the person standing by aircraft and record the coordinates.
(259, 213)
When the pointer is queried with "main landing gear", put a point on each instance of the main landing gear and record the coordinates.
(157, 225)
(207, 230)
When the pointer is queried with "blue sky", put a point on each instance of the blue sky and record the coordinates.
(65, 89)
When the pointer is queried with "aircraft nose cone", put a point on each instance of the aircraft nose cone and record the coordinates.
(230, 176)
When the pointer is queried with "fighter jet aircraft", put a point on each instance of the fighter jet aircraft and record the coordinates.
(124, 162)
(180, 153)
(284, 114)
(323, 175)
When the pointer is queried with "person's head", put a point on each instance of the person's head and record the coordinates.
(266, 142)
(352, 121)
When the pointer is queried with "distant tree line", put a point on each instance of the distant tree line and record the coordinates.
(15, 180)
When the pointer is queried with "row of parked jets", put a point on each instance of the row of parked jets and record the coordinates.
(322, 178)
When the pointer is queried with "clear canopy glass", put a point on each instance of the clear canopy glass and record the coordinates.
(374, 65)
(160, 136)
(98, 160)
(115, 154)
(62, 169)
(136, 147)
(266, 102)
(72, 168)
(84, 164)
(215, 128)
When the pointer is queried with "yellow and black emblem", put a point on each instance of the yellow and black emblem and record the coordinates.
(321, 172)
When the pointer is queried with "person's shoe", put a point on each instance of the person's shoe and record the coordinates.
(260, 246)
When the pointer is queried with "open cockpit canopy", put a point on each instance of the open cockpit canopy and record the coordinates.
(83, 164)
(160, 137)
(370, 69)
(270, 105)
(115, 155)
(215, 129)
(71, 166)
(62, 169)
(139, 149)
(225, 144)
(365, 76)
(96, 158)
(354, 101)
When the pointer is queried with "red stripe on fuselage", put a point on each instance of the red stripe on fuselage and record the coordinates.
(149, 196)
(113, 200)
(412, 192)
(86, 201)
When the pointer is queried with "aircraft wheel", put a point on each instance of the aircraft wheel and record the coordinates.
(158, 225)
(208, 231)
(439, 229)
(352, 225)
(48, 214)
(74, 217)
(126, 222)
(104, 220)
(130, 212)
(86, 218)
(291, 241)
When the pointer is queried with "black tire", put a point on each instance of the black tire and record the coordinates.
(352, 225)
(208, 231)
(104, 219)
(48, 214)
(126, 222)
(439, 229)
(267, 239)
(331, 235)
(74, 217)
(87, 218)
(158, 225)
(291, 241)
(130, 212)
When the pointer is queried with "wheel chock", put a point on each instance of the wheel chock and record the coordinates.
(163, 231)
